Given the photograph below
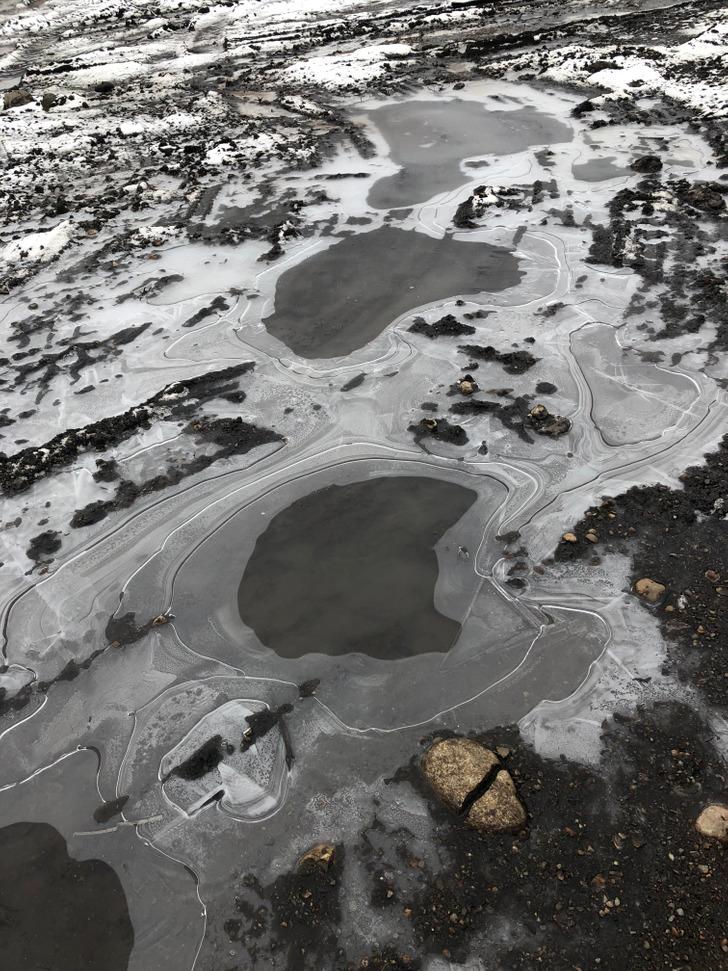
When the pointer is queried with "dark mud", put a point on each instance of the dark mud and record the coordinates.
(518, 415)
(429, 140)
(33, 370)
(673, 249)
(387, 272)
(356, 567)
(440, 429)
(55, 912)
(232, 436)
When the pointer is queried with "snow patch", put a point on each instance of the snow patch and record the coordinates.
(39, 247)
(348, 69)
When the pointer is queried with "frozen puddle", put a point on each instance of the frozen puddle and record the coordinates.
(341, 298)
(357, 568)
(242, 654)
(64, 911)
(598, 169)
(215, 764)
(430, 140)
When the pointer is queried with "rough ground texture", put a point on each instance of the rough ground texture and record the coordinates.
(160, 163)
(677, 538)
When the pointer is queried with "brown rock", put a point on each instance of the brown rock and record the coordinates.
(467, 385)
(319, 857)
(454, 767)
(713, 822)
(543, 422)
(649, 590)
(499, 809)
(570, 538)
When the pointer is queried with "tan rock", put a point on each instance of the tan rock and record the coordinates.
(319, 857)
(454, 767)
(649, 590)
(466, 385)
(499, 809)
(570, 538)
(713, 822)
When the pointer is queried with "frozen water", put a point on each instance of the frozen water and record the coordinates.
(248, 652)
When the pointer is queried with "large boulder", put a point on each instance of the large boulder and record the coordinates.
(456, 767)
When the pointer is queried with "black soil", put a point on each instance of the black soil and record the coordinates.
(447, 326)
(357, 570)
(513, 362)
(676, 537)
(57, 913)
(609, 871)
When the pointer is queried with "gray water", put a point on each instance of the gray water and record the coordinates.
(598, 169)
(430, 139)
(343, 297)
(352, 569)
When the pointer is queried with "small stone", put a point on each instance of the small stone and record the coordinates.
(467, 385)
(649, 590)
(570, 538)
(713, 822)
(455, 766)
(712, 576)
(591, 536)
(319, 857)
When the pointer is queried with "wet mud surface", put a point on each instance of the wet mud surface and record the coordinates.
(363, 397)
(358, 567)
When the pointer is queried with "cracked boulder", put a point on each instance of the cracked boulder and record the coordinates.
(470, 780)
